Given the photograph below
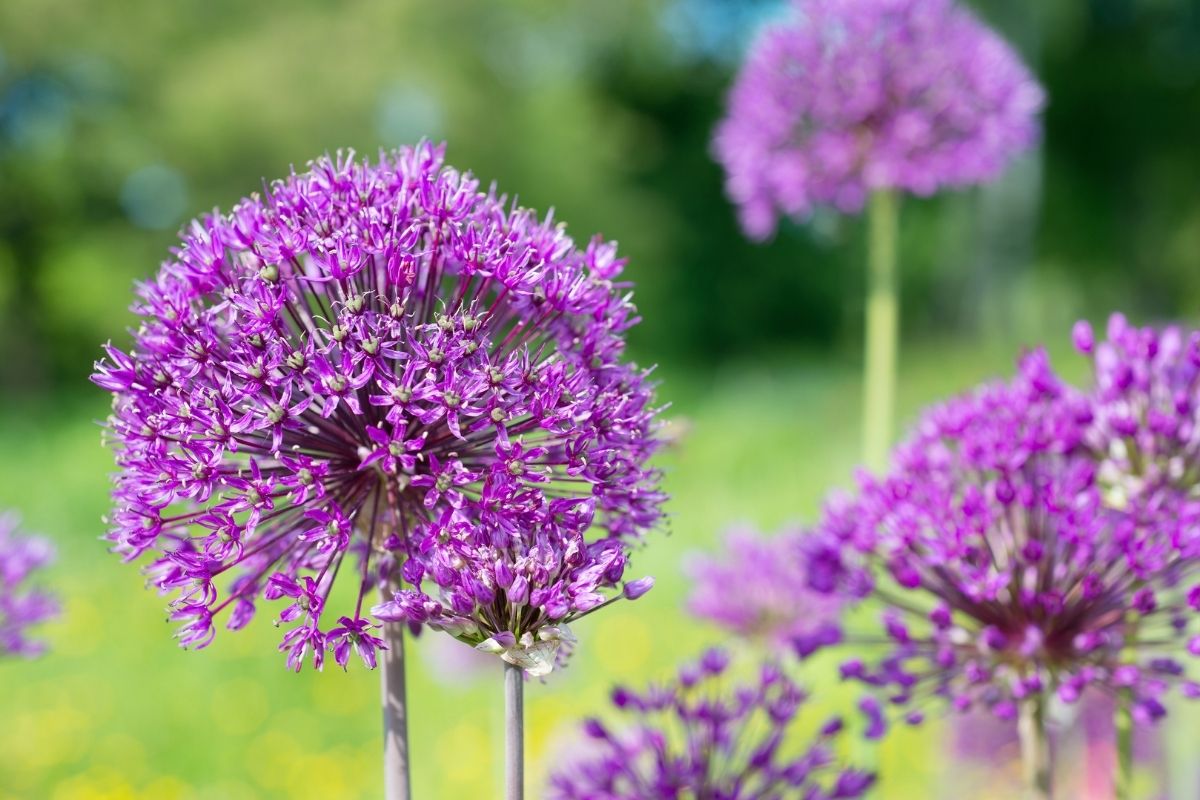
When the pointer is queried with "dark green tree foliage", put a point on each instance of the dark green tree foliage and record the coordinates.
(147, 114)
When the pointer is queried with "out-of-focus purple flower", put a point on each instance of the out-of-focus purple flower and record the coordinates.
(373, 365)
(849, 96)
(757, 587)
(21, 606)
(1146, 405)
(1004, 572)
(699, 736)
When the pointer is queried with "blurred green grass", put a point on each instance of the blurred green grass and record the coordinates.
(116, 710)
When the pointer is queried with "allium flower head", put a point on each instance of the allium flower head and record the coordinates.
(701, 736)
(1146, 404)
(512, 593)
(369, 360)
(848, 96)
(757, 588)
(20, 605)
(1004, 572)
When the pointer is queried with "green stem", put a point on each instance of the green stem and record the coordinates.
(1123, 789)
(883, 316)
(514, 732)
(396, 778)
(1036, 766)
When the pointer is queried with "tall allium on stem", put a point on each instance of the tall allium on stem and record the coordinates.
(756, 587)
(1145, 436)
(512, 589)
(22, 606)
(847, 101)
(370, 358)
(705, 736)
(1006, 576)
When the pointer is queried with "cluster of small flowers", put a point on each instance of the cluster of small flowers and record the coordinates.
(755, 589)
(1146, 431)
(848, 96)
(1032, 539)
(512, 593)
(20, 605)
(380, 360)
(695, 737)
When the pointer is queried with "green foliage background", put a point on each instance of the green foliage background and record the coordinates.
(601, 110)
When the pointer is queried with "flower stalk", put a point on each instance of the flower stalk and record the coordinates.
(882, 327)
(514, 732)
(397, 780)
(1123, 780)
(1036, 764)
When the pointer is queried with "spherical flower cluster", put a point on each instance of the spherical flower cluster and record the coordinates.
(512, 592)
(369, 360)
(698, 737)
(1005, 574)
(849, 96)
(20, 605)
(756, 588)
(1146, 408)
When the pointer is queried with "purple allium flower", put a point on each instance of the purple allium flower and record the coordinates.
(848, 96)
(378, 360)
(1004, 572)
(697, 736)
(511, 589)
(1146, 408)
(20, 605)
(757, 588)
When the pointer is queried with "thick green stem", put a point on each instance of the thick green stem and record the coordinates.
(1036, 766)
(883, 321)
(1123, 783)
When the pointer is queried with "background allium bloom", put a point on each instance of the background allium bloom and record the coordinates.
(371, 358)
(1004, 572)
(848, 96)
(1146, 404)
(20, 605)
(757, 587)
(702, 736)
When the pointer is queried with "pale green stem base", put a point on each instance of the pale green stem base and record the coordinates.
(1036, 766)
(883, 322)
(396, 779)
(1123, 782)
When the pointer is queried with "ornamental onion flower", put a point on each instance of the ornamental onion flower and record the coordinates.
(20, 605)
(848, 96)
(699, 736)
(848, 103)
(512, 592)
(1146, 409)
(1005, 575)
(368, 360)
(757, 588)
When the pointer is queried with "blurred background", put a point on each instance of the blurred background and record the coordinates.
(120, 121)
